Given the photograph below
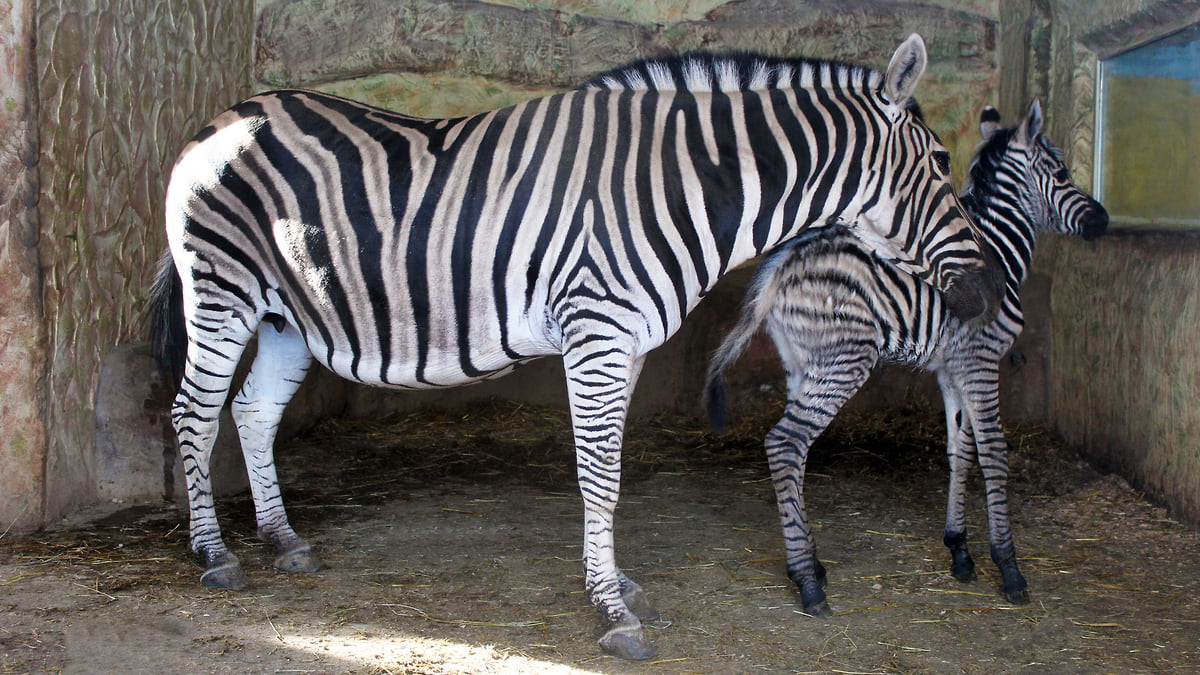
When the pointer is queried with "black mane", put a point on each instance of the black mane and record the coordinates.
(707, 71)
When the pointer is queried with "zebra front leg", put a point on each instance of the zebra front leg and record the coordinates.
(600, 380)
(278, 370)
(993, 461)
(983, 410)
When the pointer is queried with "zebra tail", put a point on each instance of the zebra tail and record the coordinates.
(164, 314)
(759, 300)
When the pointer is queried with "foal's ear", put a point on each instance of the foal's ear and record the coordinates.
(904, 71)
(1031, 127)
(989, 122)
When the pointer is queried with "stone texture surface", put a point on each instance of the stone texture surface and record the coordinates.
(22, 351)
(121, 87)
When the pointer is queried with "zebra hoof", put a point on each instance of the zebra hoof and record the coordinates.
(301, 560)
(225, 574)
(1016, 590)
(1017, 597)
(963, 568)
(626, 640)
(637, 602)
(813, 598)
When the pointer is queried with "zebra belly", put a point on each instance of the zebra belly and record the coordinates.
(438, 368)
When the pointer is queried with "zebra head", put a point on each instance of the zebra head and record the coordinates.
(912, 216)
(1031, 167)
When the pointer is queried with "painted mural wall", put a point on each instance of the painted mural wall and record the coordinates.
(1125, 341)
(111, 93)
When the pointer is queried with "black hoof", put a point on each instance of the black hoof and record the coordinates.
(300, 560)
(226, 575)
(813, 598)
(626, 641)
(962, 567)
(635, 599)
(1016, 590)
(1017, 597)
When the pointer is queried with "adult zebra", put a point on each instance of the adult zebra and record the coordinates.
(834, 310)
(410, 253)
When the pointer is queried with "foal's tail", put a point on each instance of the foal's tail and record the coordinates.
(164, 314)
(759, 300)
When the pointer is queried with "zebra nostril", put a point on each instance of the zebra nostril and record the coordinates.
(1095, 223)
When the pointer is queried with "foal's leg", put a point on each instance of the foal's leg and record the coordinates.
(980, 387)
(278, 370)
(818, 386)
(960, 451)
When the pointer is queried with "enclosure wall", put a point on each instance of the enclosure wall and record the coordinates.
(1125, 335)
(119, 86)
(22, 355)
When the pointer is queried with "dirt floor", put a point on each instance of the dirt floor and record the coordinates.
(453, 545)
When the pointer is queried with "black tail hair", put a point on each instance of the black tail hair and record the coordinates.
(164, 314)
(715, 402)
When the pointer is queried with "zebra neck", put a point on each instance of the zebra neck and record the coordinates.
(1008, 231)
(763, 179)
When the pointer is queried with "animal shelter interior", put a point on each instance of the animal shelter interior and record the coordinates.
(447, 519)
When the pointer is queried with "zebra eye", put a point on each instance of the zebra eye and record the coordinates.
(1062, 175)
(942, 159)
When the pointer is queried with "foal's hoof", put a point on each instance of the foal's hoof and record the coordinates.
(299, 560)
(1017, 597)
(626, 641)
(813, 598)
(637, 602)
(963, 569)
(226, 574)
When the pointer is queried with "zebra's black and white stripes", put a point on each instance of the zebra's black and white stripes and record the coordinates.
(411, 253)
(834, 310)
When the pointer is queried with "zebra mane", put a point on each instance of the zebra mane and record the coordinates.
(740, 71)
(981, 174)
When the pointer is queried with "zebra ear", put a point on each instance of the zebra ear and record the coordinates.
(1031, 128)
(989, 122)
(905, 70)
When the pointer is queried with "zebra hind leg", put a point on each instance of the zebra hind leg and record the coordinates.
(196, 415)
(821, 378)
(278, 370)
(960, 451)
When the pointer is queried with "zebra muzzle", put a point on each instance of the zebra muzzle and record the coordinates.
(974, 296)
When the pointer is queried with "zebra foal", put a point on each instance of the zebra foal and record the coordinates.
(834, 310)
(410, 253)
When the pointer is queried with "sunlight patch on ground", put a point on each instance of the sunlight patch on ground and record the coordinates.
(407, 654)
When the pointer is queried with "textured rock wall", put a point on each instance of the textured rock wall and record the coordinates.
(122, 85)
(1124, 310)
(450, 58)
(22, 355)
